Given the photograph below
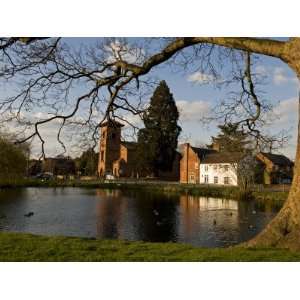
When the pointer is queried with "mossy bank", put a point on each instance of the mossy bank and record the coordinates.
(27, 247)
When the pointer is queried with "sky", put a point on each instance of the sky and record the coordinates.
(195, 97)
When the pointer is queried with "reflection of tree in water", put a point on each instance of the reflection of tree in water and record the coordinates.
(156, 216)
(136, 215)
(254, 216)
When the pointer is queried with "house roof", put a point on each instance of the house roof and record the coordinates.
(222, 157)
(202, 152)
(278, 159)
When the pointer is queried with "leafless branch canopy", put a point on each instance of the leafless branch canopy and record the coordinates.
(83, 86)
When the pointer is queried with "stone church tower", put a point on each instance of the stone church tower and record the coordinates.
(110, 146)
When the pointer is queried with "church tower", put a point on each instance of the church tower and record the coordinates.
(110, 146)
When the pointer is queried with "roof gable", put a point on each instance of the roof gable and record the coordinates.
(277, 159)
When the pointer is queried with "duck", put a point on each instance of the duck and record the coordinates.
(156, 213)
(30, 214)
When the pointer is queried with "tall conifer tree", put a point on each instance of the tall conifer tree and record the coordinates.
(158, 140)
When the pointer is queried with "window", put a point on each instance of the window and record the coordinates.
(215, 167)
(226, 168)
(226, 180)
(216, 180)
(113, 135)
(102, 155)
(192, 178)
(206, 168)
(206, 179)
(103, 135)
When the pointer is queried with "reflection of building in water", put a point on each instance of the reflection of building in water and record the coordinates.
(207, 203)
(206, 219)
(110, 212)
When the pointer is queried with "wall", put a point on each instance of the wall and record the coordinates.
(189, 165)
(218, 170)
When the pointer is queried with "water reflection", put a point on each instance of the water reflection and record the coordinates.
(134, 215)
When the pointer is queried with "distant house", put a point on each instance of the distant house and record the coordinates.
(59, 165)
(209, 166)
(220, 168)
(277, 168)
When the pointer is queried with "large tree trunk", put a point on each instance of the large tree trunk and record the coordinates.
(284, 230)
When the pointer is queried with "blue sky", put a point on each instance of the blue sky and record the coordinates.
(195, 99)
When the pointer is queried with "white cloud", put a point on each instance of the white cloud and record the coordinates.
(117, 50)
(261, 70)
(280, 77)
(192, 110)
(200, 78)
(287, 110)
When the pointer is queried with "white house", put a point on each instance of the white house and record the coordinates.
(219, 169)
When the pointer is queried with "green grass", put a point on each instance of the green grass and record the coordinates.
(27, 247)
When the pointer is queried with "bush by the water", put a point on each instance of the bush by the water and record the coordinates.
(13, 160)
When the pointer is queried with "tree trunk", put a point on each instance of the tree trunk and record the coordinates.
(284, 230)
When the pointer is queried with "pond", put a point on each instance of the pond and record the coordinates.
(133, 215)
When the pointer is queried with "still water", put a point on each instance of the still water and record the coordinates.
(133, 215)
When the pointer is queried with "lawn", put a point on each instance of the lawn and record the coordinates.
(27, 247)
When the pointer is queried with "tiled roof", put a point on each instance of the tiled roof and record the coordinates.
(222, 157)
(278, 159)
(202, 152)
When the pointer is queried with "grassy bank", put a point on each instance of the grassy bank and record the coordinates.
(195, 190)
(26, 247)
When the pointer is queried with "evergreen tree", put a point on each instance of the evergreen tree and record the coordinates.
(87, 163)
(157, 142)
(231, 139)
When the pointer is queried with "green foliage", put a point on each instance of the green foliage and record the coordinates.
(27, 247)
(87, 163)
(231, 139)
(158, 140)
(13, 160)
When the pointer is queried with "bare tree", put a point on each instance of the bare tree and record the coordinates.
(48, 69)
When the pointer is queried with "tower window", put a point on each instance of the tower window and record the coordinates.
(113, 135)
(102, 155)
